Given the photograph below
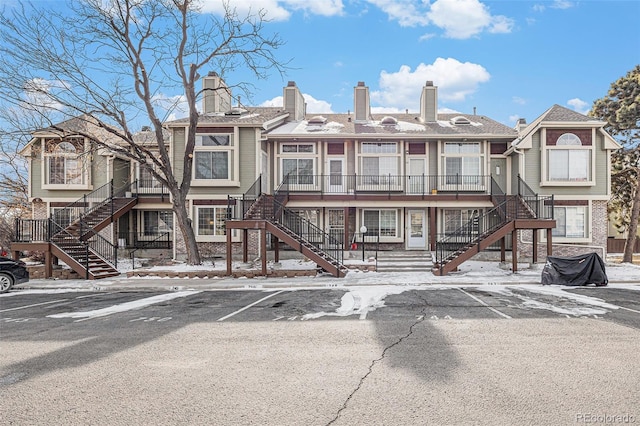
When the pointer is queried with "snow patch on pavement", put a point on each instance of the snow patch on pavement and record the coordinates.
(123, 307)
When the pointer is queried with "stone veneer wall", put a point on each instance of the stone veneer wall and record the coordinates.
(597, 245)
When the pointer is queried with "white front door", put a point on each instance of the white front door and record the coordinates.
(336, 183)
(417, 235)
(416, 178)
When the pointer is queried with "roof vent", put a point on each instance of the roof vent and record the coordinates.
(317, 120)
(388, 121)
(236, 111)
(460, 120)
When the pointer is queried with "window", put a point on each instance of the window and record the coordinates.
(298, 163)
(156, 222)
(63, 163)
(213, 157)
(212, 165)
(571, 222)
(569, 161)
(381, 222)
(379, 163)
(211, 220)
(462, 163)
(454, 220)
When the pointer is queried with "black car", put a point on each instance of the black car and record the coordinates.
(12, 272)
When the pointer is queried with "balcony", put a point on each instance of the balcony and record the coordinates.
(419, 185)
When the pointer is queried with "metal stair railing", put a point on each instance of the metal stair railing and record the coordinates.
(308, 232)
(163, 236)
(471, 233)
(540, 207)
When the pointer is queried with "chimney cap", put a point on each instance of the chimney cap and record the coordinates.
(522, 121)
(361, 84)
(212, 74)
(291, 84)
(429, 83)
(146, 128)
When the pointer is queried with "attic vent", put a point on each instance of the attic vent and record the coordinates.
(388, 121)
(317, 120)
(460, 120)
(236, 111)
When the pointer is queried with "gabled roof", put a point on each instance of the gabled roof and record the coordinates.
(560, 116)
(559, 113)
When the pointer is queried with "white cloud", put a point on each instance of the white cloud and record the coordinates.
(39, 95)
(518, 100)
(463, 19)
(579, 105)
(407, 14)
(562, 4)
(276, 10)
(175, 106)
(313, 105)
(455, 80)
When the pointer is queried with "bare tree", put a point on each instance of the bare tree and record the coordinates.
(109, 61)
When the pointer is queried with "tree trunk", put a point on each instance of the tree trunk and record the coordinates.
(633, 227)
(188, 235)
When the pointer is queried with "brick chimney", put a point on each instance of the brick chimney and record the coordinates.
(294, 102)
(361, 103)
(429, 103)
(216, 95)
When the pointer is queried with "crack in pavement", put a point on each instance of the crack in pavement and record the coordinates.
(420, 319)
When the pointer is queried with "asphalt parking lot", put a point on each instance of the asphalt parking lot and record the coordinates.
(358, 355)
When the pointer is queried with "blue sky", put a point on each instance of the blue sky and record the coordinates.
(509, 59)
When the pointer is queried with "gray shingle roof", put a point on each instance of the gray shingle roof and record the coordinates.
(406, 124)
(559, 113)
(255, 116)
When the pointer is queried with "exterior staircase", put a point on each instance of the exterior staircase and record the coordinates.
(526, 210)
(404, 261)
(79, 243)
(296, 231)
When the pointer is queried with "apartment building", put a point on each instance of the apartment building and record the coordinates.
(447, 185)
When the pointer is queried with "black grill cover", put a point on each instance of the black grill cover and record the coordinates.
(577, 270)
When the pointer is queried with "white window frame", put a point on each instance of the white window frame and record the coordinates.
(465, 181)
(230, 149)
(299, 151)
(218, 225)
(586, 212)
(397, 232)
(148, 185)
(570, 143)
(389, 166)
(83, 161)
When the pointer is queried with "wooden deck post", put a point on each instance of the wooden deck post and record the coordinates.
(263, 250)
(433, 226)
(503, 249)
(229, 251)
(276, 248)
(514, 250)
(549, 242)
(535, 245)
(245, 245)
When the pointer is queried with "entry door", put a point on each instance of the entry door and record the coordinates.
(417, 237)
(416, 178)
(336, 177)
(335, 225)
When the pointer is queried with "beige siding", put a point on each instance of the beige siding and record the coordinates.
(432, 152)
(99, 173)
(121, 172)
(179, 141)
(533, 166)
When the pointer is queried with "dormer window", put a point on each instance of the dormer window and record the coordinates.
(388, 121)
(460, 120)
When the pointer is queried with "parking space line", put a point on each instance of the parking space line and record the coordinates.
(35, 304)
(485, 305)
(250, 305)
